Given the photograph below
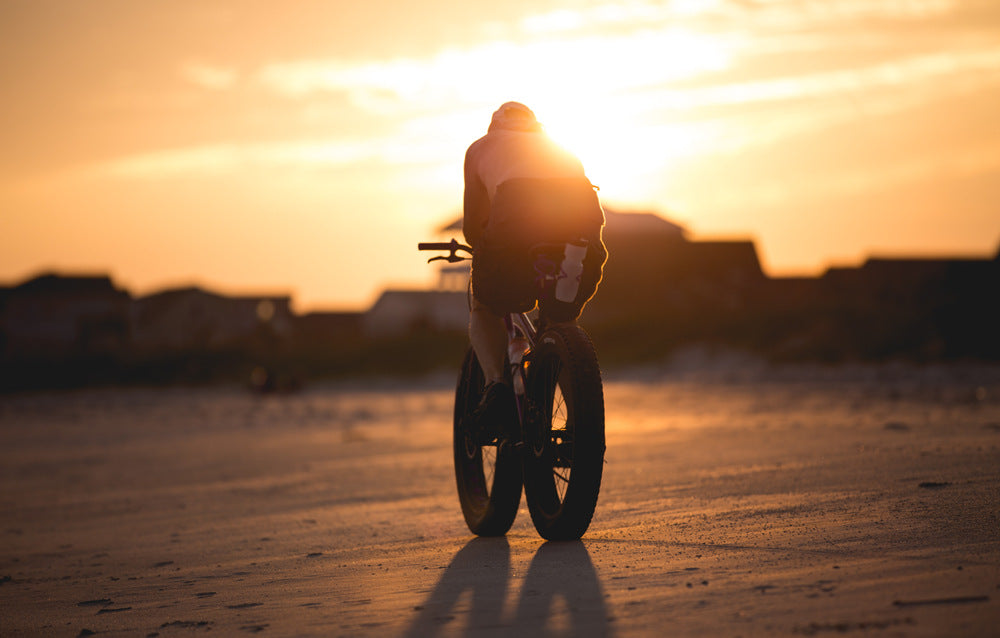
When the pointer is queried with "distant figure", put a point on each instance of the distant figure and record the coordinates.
(521, 189)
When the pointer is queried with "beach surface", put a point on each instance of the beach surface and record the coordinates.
(739, 499)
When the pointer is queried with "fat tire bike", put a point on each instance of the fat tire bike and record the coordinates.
(559, 456)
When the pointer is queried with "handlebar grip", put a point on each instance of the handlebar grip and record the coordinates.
(450, 246)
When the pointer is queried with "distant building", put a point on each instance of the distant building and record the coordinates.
(321, 329)
(55, 316)
(192, 319)
(400, 311)
(652, 268)
(443, 308)
(660, 290)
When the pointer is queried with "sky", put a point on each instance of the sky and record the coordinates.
(304, 148)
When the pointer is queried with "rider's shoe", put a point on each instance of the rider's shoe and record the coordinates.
(495, 418)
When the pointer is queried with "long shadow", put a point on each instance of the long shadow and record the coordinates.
(561, 594)
(482, 567)
(562, 572)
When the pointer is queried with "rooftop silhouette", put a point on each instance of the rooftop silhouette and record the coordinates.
(661, 291)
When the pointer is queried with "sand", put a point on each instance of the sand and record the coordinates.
(739, 499)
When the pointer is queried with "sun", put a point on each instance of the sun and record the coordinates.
(621, 118)
(622, 152)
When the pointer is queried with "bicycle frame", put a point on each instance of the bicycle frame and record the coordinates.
(557, 456)
(517, 323)
(523, 322)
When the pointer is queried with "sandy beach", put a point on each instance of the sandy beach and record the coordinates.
(739, 499)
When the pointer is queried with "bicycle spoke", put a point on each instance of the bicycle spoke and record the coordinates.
(559, 409)
(557, 426)
(489, 465)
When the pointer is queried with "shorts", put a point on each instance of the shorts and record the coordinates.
(526, 212)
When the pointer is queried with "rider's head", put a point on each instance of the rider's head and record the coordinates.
(514, 116)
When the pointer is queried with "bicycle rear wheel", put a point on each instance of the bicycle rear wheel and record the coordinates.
(488, 477)
(564, 441)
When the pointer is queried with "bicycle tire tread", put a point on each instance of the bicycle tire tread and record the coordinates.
(575, 512)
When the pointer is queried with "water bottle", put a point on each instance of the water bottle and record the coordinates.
(572, 268)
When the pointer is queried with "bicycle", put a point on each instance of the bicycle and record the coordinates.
(559, 459)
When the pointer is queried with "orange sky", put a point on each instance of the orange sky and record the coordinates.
(248, 146)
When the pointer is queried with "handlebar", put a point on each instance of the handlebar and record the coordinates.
(452, 247)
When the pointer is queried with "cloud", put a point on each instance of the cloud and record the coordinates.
(776, 13)
(458, 77)
(833, 11)
(650, 52)
(941, 70)
(669, 123)
(208, 76)
(626, 84)
(216, 159)
(860, 179)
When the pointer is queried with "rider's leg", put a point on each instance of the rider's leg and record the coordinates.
(488, 335)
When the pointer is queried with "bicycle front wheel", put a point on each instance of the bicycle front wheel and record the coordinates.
(564, 438)
(488, 476)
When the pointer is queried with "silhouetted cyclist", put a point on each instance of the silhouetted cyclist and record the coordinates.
(521, 190)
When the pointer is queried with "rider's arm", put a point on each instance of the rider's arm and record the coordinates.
(476, 202)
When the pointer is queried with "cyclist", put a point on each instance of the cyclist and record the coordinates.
(521, 189)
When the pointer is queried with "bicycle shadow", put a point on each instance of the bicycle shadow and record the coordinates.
(561, 593)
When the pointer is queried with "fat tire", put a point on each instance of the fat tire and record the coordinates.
(488, 511)
(564, 356)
